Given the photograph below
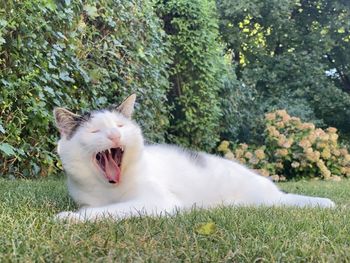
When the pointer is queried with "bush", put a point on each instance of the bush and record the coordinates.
(293, 149)
(196, 71)
(81, 56)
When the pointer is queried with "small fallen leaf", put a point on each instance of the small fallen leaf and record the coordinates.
(206, 228)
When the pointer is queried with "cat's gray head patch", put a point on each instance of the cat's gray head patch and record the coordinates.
(68, 122)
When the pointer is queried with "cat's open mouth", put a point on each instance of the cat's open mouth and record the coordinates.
(109, 162)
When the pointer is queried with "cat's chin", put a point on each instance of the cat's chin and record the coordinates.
(109, 163)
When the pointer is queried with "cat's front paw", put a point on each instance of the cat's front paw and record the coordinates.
(68, 216)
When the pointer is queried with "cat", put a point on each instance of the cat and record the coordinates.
(112, 174)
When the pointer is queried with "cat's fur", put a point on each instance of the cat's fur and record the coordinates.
(152, 179)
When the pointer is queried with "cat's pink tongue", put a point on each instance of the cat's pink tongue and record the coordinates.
(112, 169)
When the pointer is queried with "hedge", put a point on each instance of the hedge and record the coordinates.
(77, 54)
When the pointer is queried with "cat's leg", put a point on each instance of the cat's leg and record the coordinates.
(305, 201)
(127, 209)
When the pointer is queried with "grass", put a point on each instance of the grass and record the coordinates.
(28, 233)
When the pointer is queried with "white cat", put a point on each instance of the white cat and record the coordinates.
(111, 173)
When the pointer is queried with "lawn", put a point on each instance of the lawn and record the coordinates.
(29, 234)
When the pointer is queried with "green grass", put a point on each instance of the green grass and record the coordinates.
(29, 234)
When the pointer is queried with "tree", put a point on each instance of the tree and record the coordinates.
(292, 51)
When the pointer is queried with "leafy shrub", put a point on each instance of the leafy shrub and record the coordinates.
(81, 55)
(293, 149)
(195, 73)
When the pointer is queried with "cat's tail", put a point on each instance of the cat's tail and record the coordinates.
(305, 201)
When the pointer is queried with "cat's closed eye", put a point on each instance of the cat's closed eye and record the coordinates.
(120, 125)
(94, 131)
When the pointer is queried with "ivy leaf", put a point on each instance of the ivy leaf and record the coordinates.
(7, 149)
(2, 130)
(64, 75)
(91, 11)
(206, 229)
(2, 40)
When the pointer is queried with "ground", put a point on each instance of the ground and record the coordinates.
(29, 233)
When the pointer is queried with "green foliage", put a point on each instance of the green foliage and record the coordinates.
(79, 55)
(293, 149)
(196, 71)
(294, 54)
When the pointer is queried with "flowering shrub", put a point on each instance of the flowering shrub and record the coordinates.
(293, 149)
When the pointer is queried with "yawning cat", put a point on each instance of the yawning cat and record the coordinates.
(111, 173)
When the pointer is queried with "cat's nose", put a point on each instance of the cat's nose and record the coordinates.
(114, 136)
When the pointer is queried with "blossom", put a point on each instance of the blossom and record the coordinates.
(279, 165)
(259, 153)
(223, 147)
(324, 170)
(333, 137)
(270, 116)
(282, 152)
(230, 156)
(304, 144)
(239, 153)
(281, 113)
(319, 132)
(326, 153)
(306, 125)
(331, 130)
(343, 151)
(243, 146)
(273, 131)
(295, 164)
(280, 124)
(295, 120)
(254, 160)
(248, 155)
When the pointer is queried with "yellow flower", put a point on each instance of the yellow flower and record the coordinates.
(333, 137)
(259, 153)
(343, 151)
(326, 153)
(324, 170)
(243, 146)
(281, 152)
(295, 120)
(321, 145)
(230, 156)
(332, 130)
(281, 113)
(273, 131)
(287, 143)
(239, 153)
(312, 155)
(248, 155)
(286, 118)
(280, 124)
(336, 152)
(324, 137)
(254, 160)
(295, 164)
(263, 172)
(305, 144)
(279, 165)
(347, 158)
(312, 137)
(319, 132)
(223, 147)
(307, 126)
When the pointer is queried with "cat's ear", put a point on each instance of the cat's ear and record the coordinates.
(127, 106)
(66, 121)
